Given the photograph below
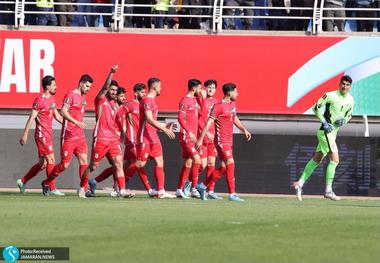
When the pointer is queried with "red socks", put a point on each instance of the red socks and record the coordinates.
(231, 177)
(160, 177)
(144, 178)
(31, 173)
(49, 169)
(121, 182)
(104, 175)
(82, 168)
(210, 170)
(195, 174)
(210, 182)
(183, 176)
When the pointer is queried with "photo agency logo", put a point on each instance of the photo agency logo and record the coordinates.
(10, 254)
(13, 253)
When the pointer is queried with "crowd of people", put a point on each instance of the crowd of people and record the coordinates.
(172, 20)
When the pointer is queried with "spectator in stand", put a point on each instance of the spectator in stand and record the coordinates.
(377, 5)
(128, 20)
(7, 18)
(65, 19)
(277, 24)
(193, 22)
(85, 20)
(247, 22)
(207, 22)
(329, 24)
(102, 7)
(161, 8)
(365, 25)
(142, 21)
(301, 24)
(46, 18)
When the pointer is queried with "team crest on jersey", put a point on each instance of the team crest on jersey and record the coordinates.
(146, 105)
(50, 148)
(193, 150)
(228, 153)
(96, 156)
(52, 106)
(84, 103)
(65, 153)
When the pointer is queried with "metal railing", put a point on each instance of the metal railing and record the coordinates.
(218, 17)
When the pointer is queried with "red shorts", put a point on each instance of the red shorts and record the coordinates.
(44, 146)
(73, 146)
(188, 149)
(100, 148)
(207, 150)
(130, 152)
(224, 151)
(148, 150)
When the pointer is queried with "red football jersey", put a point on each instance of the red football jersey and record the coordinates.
(188, 117)
(128, 118)
(147, 133)
(44, 121)
(106, 128)
(76, 104)
(206, 105)
(224, 115)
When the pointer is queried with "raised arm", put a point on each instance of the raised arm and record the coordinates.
(33, 115)
(107, 83)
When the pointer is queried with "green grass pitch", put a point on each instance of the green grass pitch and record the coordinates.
(263, 229)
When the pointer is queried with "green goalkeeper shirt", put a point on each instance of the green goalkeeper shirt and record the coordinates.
(333, 106)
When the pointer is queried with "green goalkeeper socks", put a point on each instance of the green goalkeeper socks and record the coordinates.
(330, 173)
(309, 169)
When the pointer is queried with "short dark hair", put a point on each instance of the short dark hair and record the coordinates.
(346, 78)
(114, 83)
(139, 87)
(86, 78)
(192, 83)
(46, 81)
(210, 82)
(151, 81)
(120, 90)
(228, 87)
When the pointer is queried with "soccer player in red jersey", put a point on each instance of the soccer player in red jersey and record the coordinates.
(188, 120)
(106, 140)
(224, 116)
(148, 142)
(207, 150)
(127, 119)
(43, 112)
(73, 140)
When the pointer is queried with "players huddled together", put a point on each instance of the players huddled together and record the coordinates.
(206, 132)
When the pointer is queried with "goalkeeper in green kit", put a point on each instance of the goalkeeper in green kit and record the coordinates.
(334, 110)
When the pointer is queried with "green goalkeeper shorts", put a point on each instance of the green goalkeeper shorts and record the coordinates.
(326, 142)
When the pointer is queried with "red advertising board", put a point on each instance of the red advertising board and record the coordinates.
(259, 65)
